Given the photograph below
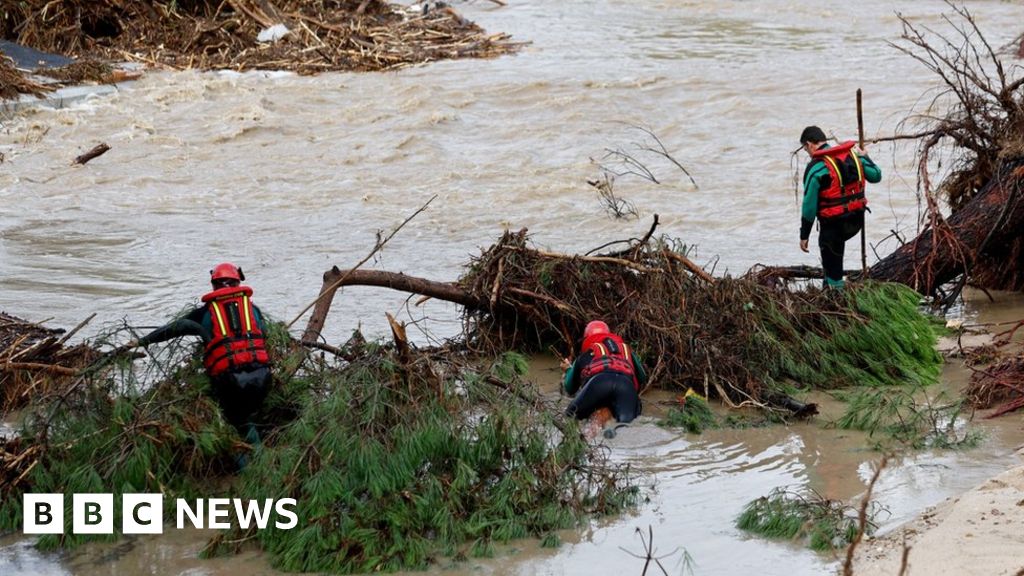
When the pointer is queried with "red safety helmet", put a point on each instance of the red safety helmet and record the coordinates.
(226, 271)
(594, 328)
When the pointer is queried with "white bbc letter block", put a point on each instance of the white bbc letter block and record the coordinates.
(142, 514)
(92, 514)
(218, 508)
(43, 513)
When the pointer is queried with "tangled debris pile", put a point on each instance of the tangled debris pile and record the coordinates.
(34, 360)
(306, 36)
(397, 457)
(997, 379)
(734, 338)
(13, 83)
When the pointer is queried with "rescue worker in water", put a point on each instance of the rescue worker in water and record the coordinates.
(234, 354)
(609, 372)
(834, 183)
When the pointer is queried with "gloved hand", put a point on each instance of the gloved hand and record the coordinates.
(124, 348)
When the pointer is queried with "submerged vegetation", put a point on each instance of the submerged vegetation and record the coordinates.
(804, 515)
(906, 417)
(398, 465)
(691, 413)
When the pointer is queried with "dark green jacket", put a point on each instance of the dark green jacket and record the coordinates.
(196, 323)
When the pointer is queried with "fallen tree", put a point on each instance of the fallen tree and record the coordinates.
(397, 458)
(980, 240)
(733, 338)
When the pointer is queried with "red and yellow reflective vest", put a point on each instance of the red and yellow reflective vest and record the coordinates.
(237, 342)
(610, 354)
(845, 194)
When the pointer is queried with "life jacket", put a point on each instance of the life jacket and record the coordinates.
(610, 354)
(237, 343)
(845, 194)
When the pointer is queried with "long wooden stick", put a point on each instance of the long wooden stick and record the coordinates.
(863, 234)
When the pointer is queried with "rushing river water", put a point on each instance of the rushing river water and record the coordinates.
(289, 175)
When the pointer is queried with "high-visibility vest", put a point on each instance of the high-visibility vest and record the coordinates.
(237, 342)
(845, 194)
(610, 354)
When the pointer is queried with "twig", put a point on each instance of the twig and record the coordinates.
(862, 517)
(690, 266)
(380, 244)
(75, 329)
(37, 367)
(662, 151)
(606, 259)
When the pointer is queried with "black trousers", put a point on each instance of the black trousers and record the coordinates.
(607, 390)
(241, 394)
(832, 238)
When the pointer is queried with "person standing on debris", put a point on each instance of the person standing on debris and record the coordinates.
(834, 183)
(609, 372)
(234, 353)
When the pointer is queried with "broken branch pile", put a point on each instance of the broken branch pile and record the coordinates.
(34, 361)
(997, 379)
(734, 338)
(999, 386)
(318, 35)
(13, 84)
(731, 337)
(397, 457)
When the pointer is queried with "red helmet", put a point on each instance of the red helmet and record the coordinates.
(594, 328)
(226, 271)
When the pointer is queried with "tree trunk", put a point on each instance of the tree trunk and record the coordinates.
(992, 220)
(336, 278)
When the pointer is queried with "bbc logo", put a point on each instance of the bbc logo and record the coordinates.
(144, 513)
(93, 513)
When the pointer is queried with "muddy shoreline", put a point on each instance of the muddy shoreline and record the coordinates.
(974, 533)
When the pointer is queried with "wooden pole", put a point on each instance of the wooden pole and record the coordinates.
(863, 234)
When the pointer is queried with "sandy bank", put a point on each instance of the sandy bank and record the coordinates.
(981, 532)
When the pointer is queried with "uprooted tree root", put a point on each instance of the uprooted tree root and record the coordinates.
(397, 457)
(972, 218)
(323, 35)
